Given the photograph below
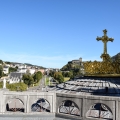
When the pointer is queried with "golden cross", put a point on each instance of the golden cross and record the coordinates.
(105, 39)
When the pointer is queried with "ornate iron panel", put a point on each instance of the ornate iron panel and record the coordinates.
(69, 107)
(100, 110)
(41, 105)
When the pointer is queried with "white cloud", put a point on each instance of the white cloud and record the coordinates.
(45, 61)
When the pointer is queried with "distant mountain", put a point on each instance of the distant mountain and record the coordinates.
(116, 57)
(28, 64)
(34, 65)
(70, 66)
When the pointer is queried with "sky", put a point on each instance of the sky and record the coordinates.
(50, 33)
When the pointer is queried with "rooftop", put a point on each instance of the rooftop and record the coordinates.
(90, 86)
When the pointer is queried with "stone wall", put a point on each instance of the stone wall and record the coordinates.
(85, 102)
(81, 102)
(28, 98)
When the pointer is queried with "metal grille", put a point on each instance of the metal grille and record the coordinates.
(100, 110)
(69, 107)
(15, 105)
(41, 105)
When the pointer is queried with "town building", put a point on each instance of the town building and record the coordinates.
(5, 69)
(15, 77)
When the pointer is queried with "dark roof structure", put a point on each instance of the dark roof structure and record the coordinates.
(90, 86)
(16, 75)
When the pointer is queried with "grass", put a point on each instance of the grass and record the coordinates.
(37, 84)
(66, 79)
(47, 81)
(15, 86)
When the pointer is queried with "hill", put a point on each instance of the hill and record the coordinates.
(28, 64)
(71, 66)
(116, 57)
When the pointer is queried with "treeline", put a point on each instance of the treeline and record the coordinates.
(73, 69)
(1, 71)
(59, 76)
(72, 73)
(32, 79)
(11, 69)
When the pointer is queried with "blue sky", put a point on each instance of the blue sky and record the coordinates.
(50, 33)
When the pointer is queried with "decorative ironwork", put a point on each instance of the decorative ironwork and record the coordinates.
(69, 107)
(100, 110)
(102, 67)
(15, 105)
(41, 105)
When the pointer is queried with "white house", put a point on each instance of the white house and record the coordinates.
(15, 77)
(32, 71)
(5, 69)
(20, 65)
(22, 70)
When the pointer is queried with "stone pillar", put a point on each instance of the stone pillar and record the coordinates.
(4, 83)
(27, 105)
(83, 108)
(1, 102)
(116, 111)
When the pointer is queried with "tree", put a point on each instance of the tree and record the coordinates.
(67, 67)
(37, 76)
(51, 73)
(8, 62)
(11, 69)
(67, 73)
(28, 79)
(70, 74)
(1, 71)
(1, 62)
(59, 77)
